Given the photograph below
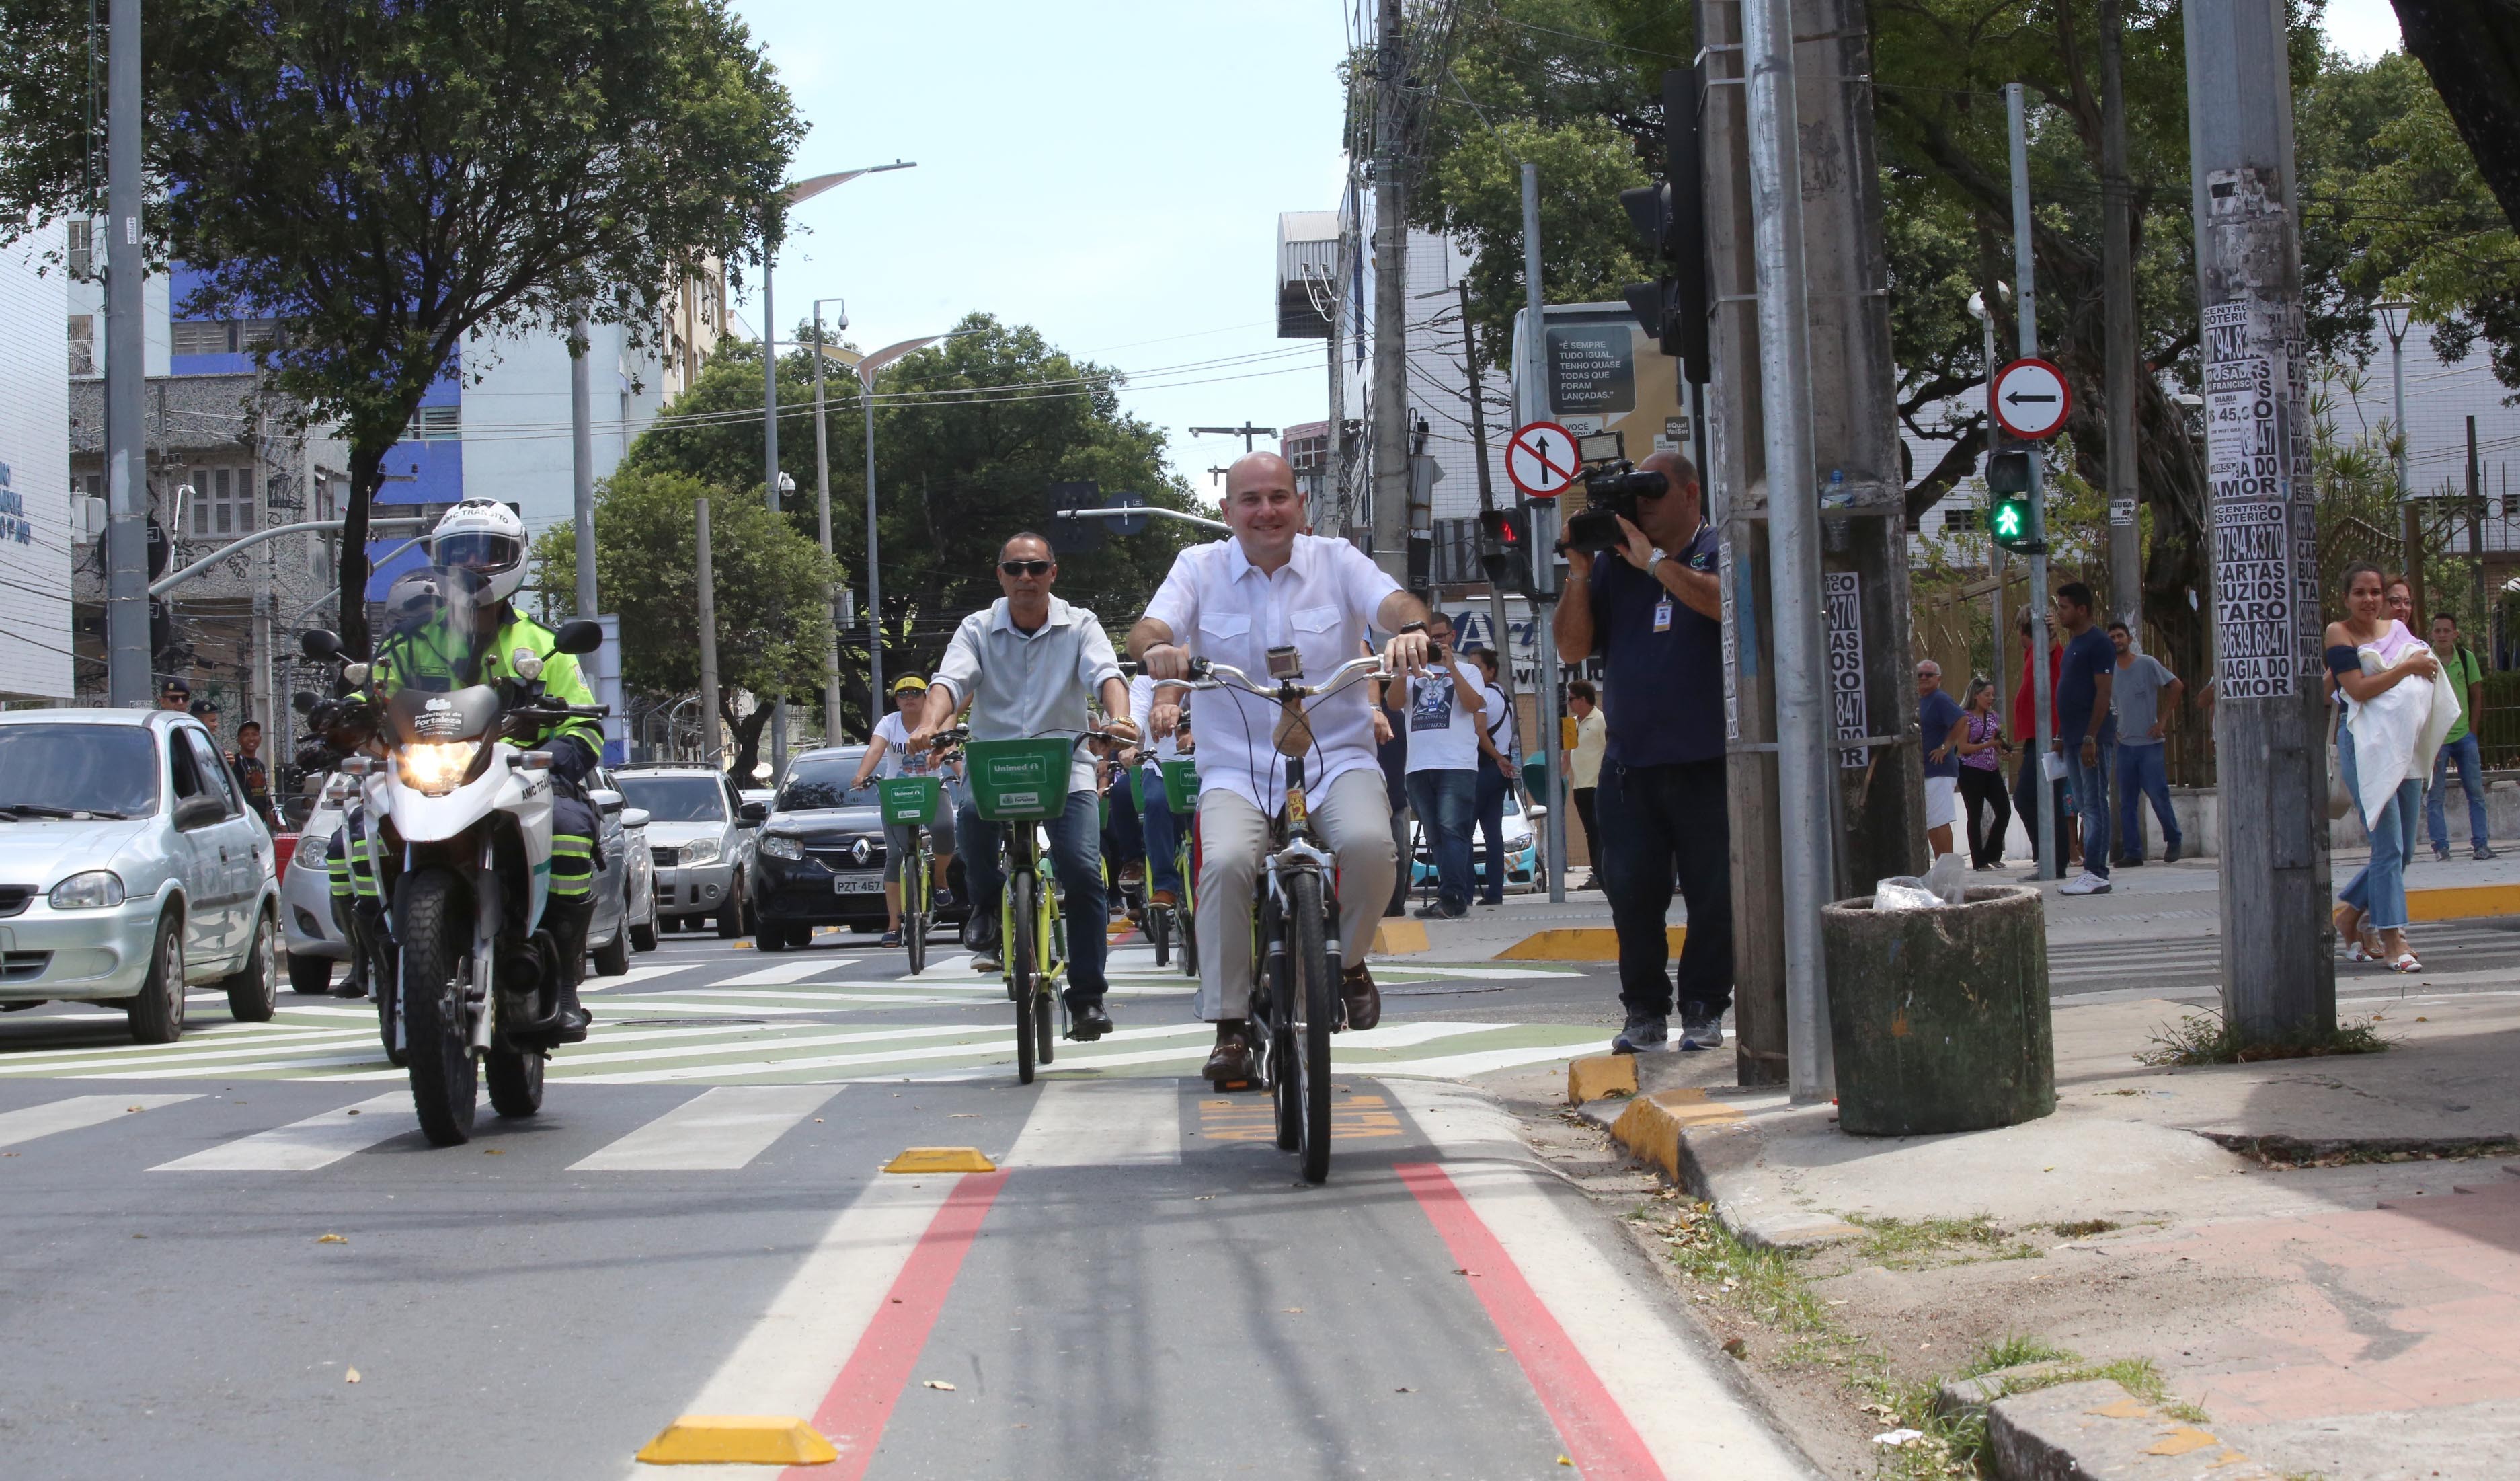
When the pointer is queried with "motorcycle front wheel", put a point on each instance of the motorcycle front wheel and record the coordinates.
(516, 1082)
(435, 922)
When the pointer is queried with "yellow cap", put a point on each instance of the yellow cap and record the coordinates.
(908, 683)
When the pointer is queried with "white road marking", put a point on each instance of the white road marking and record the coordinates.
(1472, 1062)
(302, 1146)
(1081, 1124)
(786, 972)
(78, 1111)
(632, 977)
(174, 1054)
(1675, 1391)
(986, 1043)
(715, 1131)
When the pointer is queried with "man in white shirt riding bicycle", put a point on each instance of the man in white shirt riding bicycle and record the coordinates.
(1230, 602)
(1030, 663)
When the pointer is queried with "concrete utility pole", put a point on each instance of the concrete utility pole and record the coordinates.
(710, 752)
(2479, 614)
(2117, 308)
(129, 681)
(1249, 434)
(1545, 585)
(1391, 433)
(581, 459)
(2052, 863)
(2278, 968)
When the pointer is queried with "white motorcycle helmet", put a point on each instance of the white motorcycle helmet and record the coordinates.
(415, 596)
(485, 541)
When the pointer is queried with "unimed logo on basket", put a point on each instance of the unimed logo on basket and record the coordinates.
(1017, 781)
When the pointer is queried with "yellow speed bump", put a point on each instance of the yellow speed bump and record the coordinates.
(738, 1440)
(940, 1160)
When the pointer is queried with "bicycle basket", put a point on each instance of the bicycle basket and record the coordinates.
(1181, 787)
(1018, 780)
(909, 800)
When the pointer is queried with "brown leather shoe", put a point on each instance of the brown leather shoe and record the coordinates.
(1229, 1063)
(1363, 999)
(1163, 898)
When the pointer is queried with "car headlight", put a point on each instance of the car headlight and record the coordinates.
(702, 851)
(783, 845)
(313, 848)
(92, 891)
(434, 769)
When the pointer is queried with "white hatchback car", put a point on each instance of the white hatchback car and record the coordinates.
(131, 867)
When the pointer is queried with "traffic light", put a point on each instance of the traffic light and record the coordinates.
(1672, 217)
(1504, 548)
(2008, 515)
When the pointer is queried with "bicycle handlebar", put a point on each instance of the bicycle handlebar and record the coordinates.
(1214, 675)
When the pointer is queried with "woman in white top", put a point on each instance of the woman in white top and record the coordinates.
(889, 754)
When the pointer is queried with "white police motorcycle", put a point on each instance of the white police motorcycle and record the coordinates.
(460, 816)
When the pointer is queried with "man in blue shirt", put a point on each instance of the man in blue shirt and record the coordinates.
(2086, 730)
(1653, 610)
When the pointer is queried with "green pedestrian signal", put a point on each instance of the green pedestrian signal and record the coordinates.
(2007, 519)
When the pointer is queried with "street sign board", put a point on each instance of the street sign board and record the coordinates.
(1541, 459)
(2030, 399)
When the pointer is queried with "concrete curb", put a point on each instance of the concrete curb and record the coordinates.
(2099, 1432)
(1400, 938)
(1579, 943)
(1695, 1137)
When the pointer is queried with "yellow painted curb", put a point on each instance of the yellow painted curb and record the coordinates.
(1649, 1128)
(1400, 938)
(738, 1440)
(2463, 902)
(1579, 943)
(1597, 1075)
(940, 1160)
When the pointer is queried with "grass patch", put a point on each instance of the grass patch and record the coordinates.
(1763, 1283)
(1912, 1243)
(2290, 1153)
(2013, 1352)
(2207, 1038)
(2084, 1228)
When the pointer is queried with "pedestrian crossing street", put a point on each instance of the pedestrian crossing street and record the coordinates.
(710, 1016)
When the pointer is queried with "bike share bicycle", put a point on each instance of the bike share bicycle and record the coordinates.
(912, 803)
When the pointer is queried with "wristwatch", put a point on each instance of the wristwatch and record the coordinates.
(1659, 556)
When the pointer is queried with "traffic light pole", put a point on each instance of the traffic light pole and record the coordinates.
(1542, 546)
(2050, 827)
(129, 681)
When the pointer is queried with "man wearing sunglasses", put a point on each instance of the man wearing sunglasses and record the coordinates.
(1271, 586)
(1030, 665)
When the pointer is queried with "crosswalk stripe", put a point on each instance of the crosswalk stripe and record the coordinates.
(1078, 1123)
(716, 1130)
(786, 972)
(302, 1146)
(992, 1042)
(170, 1053)
(78, 1111)
(634, 976)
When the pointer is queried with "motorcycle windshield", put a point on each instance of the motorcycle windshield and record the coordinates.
(442, 627)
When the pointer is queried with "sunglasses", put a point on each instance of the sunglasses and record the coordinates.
(1024, 568)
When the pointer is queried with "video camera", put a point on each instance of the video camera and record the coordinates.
(1611, 487)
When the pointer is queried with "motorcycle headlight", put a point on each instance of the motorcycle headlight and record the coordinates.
(434, 769)
(703, 851)
(783, 845)
(92, 891)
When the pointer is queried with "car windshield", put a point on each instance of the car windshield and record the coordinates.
(675, 799)
(824, 783)
(62, 771)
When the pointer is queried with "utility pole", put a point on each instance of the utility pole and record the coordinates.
(1544, 586)
(581, 458)
(1249, 434)
(823, 529)
(710, 750)
(874, 573)
(2025, 298)
(2117, 308)
(1390, 449)
(1487, 492)
(2278, 970)
(129, 681)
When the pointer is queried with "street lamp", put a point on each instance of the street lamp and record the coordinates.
(823, 526)
(2397, 318)
(867, 369)
(795, 195)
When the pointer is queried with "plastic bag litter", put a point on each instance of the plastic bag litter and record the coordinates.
(1905, 892)
(1948, 878)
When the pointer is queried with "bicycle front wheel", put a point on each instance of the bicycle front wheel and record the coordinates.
(1054, 973)
(1309, 1006)
(1023, 967)
(914, 902)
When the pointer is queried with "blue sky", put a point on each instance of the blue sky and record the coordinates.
(1111, 174)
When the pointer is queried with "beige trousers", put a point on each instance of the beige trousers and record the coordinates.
(1352, 819)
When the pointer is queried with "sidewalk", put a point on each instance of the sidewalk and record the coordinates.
(2322, 1255)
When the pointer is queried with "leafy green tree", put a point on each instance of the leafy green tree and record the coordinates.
(2471, 50)
(388, 179)
(772, 627)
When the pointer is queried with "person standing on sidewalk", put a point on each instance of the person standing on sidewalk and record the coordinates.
(2374, 899)
(2143, 691)
(1497, 775)
(2030, 785)
(1981, 746)
(1446, 717)
(2466, 678)
(1651, 608)
(1939, 726)
(2085, 731)
(1584, 768)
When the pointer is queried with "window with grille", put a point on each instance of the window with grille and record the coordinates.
(82, 343)
(79, 247)
(436, 424)
(220, 336)
(222, 501)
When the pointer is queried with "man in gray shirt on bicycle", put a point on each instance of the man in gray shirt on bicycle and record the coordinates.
(1030, 665)
(1230, 602)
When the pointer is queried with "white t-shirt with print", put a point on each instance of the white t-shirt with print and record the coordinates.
(1443, 732)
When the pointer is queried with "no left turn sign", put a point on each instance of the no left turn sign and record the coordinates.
(2030, 399)
(1541, 459)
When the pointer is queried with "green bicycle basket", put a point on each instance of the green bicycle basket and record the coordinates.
(1181, 787)
(909, 800)
(1018, 780)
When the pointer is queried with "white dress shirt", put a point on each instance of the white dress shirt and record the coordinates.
(1224, 608)
(1031, 684)
(1142, 704)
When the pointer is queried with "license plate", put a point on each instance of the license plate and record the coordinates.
(858, 884)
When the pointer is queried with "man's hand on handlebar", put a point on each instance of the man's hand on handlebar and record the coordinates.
(1164, 661)
(1165, 719)
(1407, 653)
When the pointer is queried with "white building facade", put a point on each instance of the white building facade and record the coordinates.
(36, 662)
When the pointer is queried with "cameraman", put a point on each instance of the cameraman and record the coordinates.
(1653, 610)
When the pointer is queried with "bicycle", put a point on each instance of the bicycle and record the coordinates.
(1166, 922)
(912, 802)
(1023, 784)
(1295, 992)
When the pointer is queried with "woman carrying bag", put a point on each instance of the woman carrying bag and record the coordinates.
(2385, 742)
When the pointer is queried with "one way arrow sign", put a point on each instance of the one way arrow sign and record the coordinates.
(2030, 399)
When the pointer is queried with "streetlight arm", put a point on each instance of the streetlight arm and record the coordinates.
(1143, 509)
(239, 547)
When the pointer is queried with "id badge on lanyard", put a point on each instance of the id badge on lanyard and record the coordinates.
(1662, 614)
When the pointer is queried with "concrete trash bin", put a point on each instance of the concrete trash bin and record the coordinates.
(1939, 1016)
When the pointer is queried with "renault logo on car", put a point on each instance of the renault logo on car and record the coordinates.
(860, 852)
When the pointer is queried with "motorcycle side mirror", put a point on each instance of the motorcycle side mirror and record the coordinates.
(578, 638)
(303, 702)
(752, 815)
(319, 643)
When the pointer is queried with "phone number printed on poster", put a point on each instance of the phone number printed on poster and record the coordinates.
(2255, 592)
(1844, 592)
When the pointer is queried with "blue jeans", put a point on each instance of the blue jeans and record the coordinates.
(1446, 803)
(2143, 771)
(1076, 858)
(1659, 823)
(2379, 887)
(2092, 795)
(2470, 763)
(1493, 788)
(1164, 839)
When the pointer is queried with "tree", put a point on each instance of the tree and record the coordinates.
(2471, 48)
(772, 628)
(389, 180)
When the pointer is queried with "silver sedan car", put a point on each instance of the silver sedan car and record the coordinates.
(130, 868)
